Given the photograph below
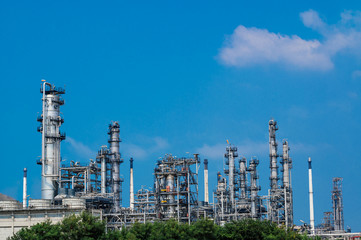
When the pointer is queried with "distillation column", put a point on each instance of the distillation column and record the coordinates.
(51, 138)
(273, 154)
(254, 188)
(131, 192)
(231, 153)
(206, 194)
(114, 140)
(273, 211)
(242, 175)
(287, 188)
(103, 159)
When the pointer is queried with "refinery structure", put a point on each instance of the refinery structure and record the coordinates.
(174, 194)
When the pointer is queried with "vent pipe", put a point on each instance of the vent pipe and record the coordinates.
(25, 187)
(312, 218)
(206, 194)
(131, 192)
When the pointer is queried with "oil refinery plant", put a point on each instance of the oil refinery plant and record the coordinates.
(97, 187)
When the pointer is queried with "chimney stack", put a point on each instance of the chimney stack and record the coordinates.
(312, 218)
(25, 186)
(206, 194)
(131, 185)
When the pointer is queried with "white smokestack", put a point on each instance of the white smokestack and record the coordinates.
(206, 194)
(25, 186)
(131, 192)
(312, 218)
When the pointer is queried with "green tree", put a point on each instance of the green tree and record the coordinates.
(84, 226)
(41, 231)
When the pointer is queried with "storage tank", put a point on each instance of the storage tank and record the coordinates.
(9, 205)
(39, 203)
(74, 203)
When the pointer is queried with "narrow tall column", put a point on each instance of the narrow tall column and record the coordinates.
(312, 218)
(114, 140)
(25, 186)
(51, 138)
(242, 177)
(206, 194)
(273, 154)
(131, 192)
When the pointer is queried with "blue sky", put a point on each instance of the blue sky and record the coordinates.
(184, 77)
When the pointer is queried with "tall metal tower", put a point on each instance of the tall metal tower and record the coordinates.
(337, 204)
(274, 191)
(114, 140)
(280, 208)
(286, 162)
(254, 188)
(230, 155)
(51, 138)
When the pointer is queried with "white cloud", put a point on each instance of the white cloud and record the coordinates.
(145, 148)
(246, 148)
(309, 148)
(356, 74)
(80, 149)
(252, 46)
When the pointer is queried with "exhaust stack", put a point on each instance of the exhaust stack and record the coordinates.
(312, 218)
(131, 192)
(206, 194)
(25, 188)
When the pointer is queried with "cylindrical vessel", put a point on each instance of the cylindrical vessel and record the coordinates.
(114, 140)
(51, 138)
(39, 203)
(74, 203)
(9, 205)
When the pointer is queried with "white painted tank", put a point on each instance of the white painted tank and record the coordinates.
(39, 203)
(75, 203)
(9, 205)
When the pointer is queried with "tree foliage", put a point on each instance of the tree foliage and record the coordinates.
(87, 227)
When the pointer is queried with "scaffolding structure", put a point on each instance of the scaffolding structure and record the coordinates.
(176, 188)
(234, 198)
(327, 223)
(280, 206)
(337, 204)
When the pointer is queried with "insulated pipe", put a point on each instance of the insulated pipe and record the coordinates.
(131, 192)
(206, 194)
(312, 218)
(25, 186)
